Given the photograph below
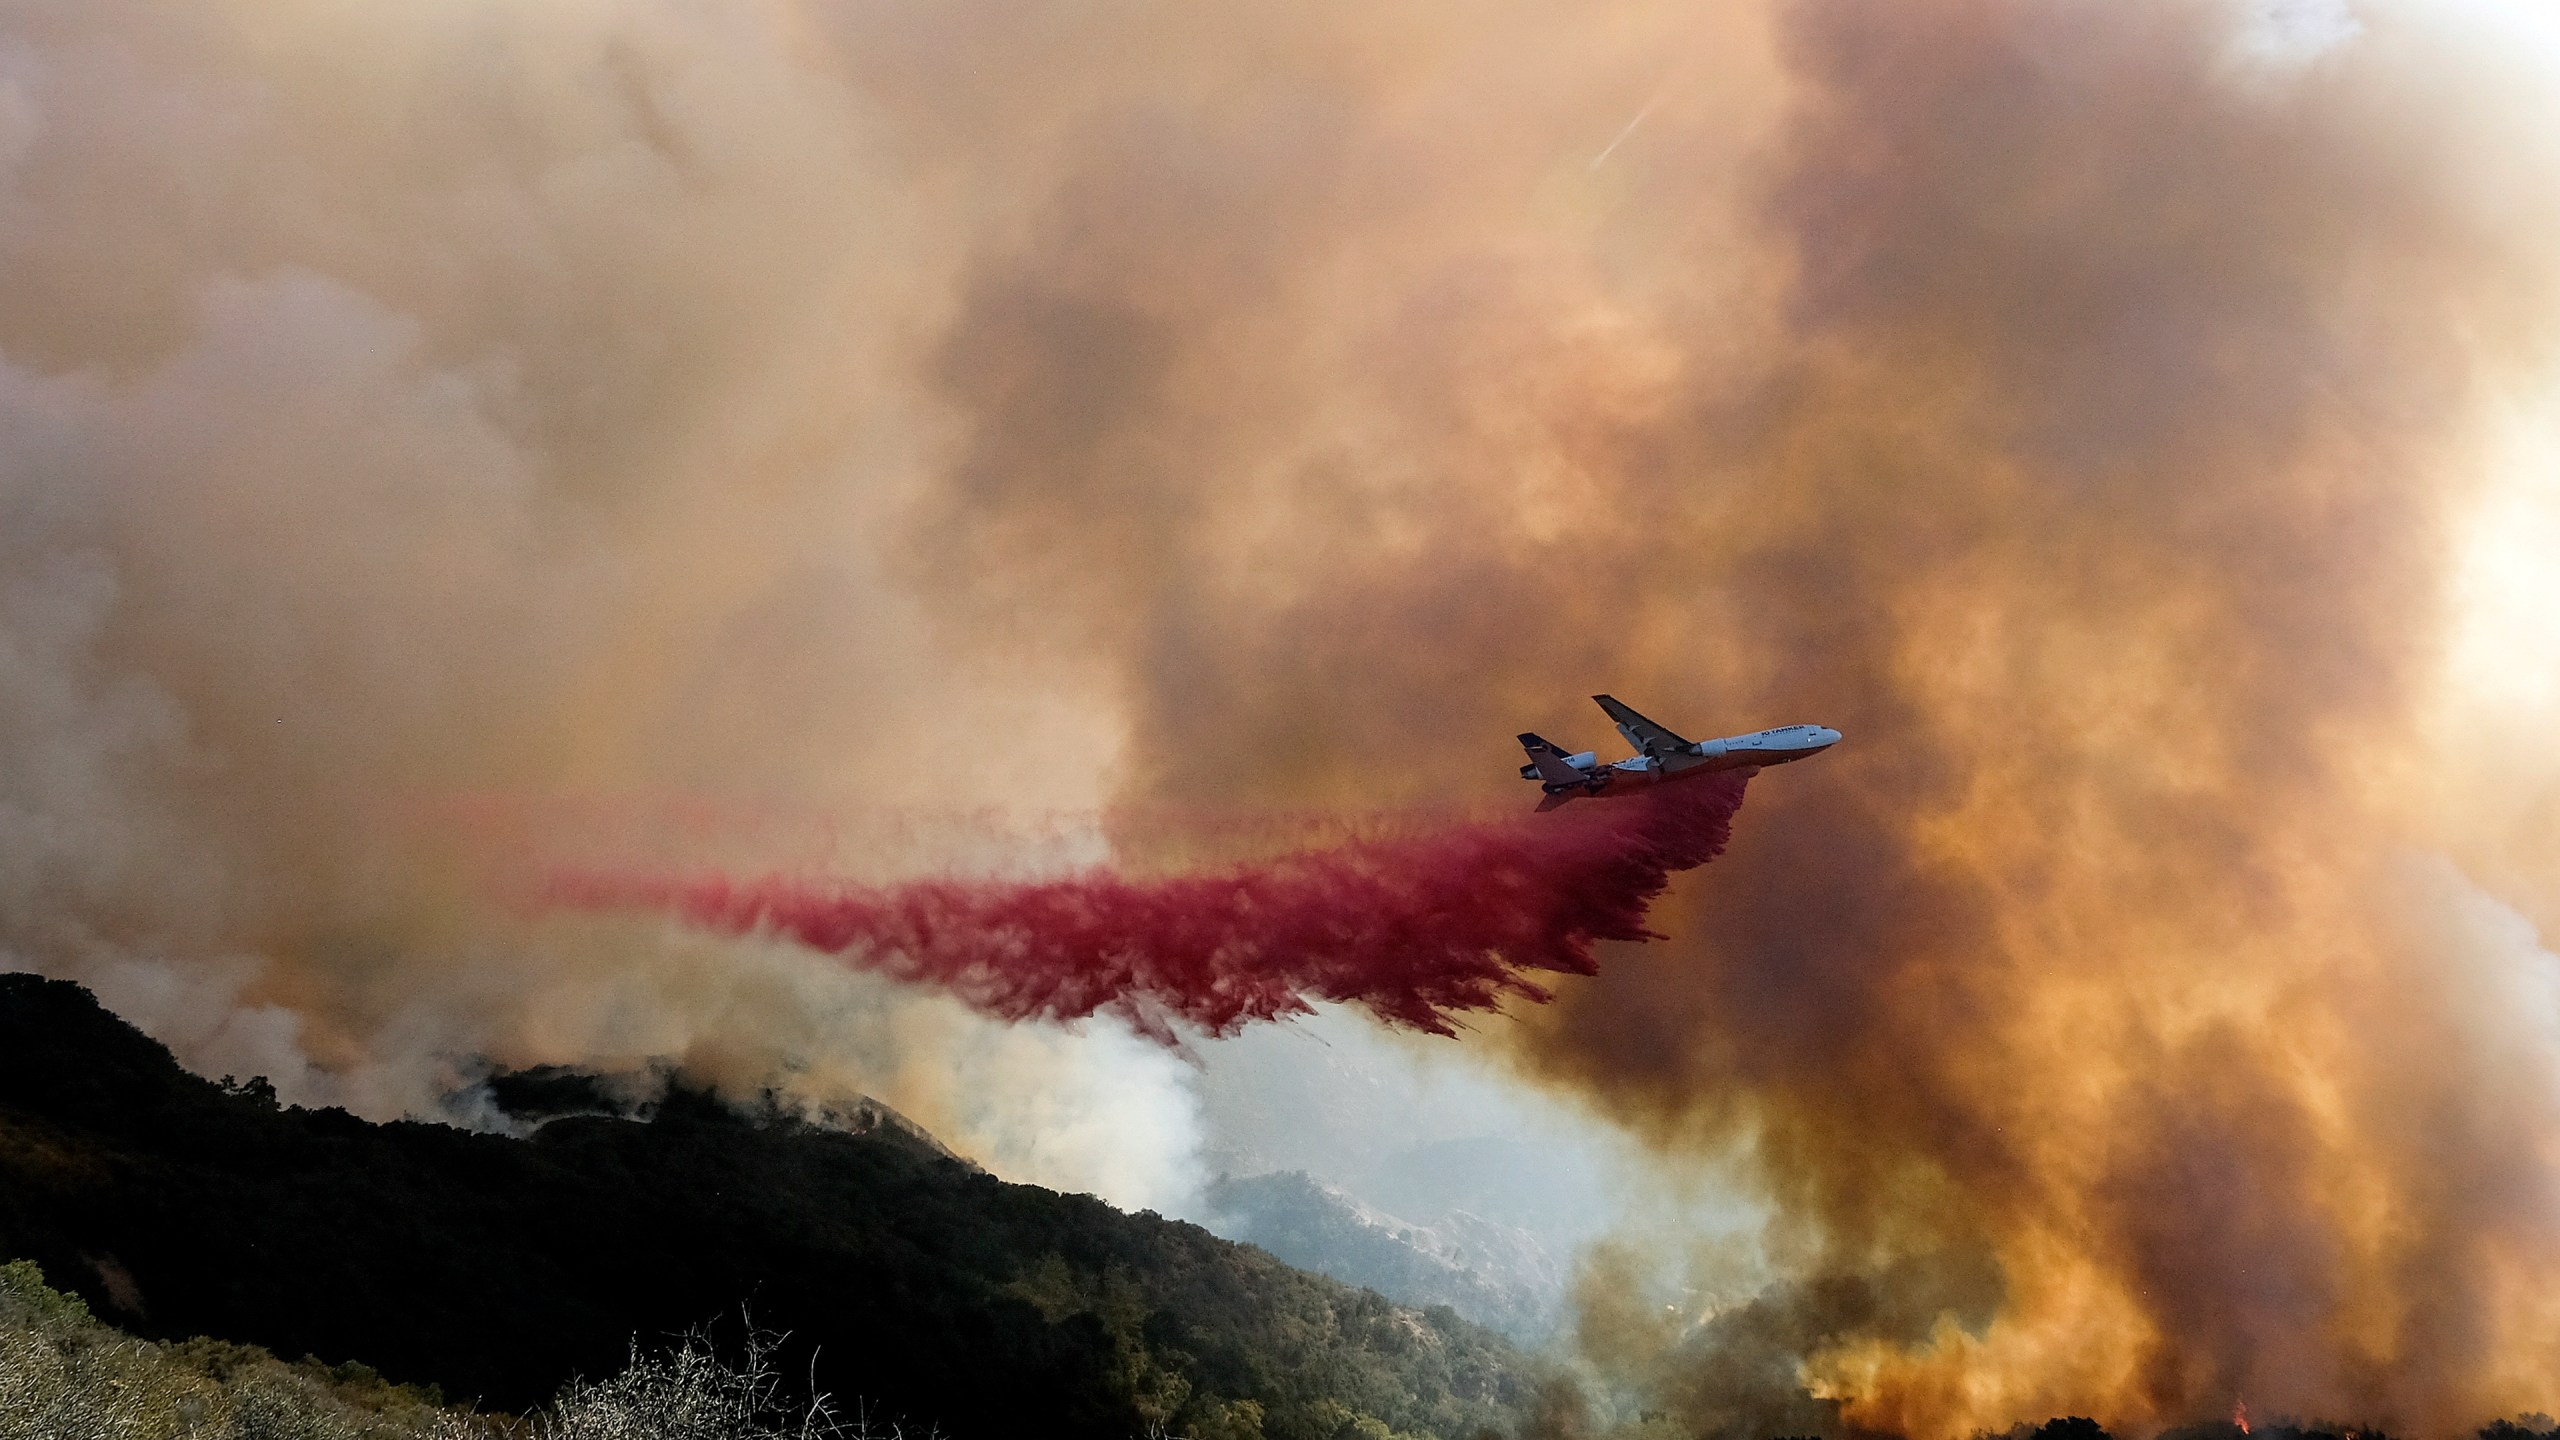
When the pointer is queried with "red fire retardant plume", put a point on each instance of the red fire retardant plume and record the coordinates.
(1418, 928)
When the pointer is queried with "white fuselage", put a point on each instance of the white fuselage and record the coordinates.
(1761, 747)
(1706, 757)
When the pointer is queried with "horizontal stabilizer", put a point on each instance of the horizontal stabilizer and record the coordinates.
(1549, 763)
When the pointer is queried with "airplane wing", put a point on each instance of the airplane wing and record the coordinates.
(1647, 737)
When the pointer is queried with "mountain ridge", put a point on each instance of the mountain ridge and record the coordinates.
(499, 1267)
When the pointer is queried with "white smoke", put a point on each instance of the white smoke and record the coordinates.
(400, 406)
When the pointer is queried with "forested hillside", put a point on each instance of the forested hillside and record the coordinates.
(500, 1268)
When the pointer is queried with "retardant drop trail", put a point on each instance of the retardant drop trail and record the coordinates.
(1418, 928)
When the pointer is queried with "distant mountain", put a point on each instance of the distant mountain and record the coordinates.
(1528, 1184)
(1498, 1275)
(500, 1267)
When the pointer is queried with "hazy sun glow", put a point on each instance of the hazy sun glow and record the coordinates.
(2503, 656)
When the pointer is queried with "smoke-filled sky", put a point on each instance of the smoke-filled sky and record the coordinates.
(859, 434)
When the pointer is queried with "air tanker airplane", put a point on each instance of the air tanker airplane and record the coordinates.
(1660, 757)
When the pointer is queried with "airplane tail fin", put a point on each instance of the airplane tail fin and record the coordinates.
(1548, 762)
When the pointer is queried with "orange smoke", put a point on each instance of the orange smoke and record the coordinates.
(2072, 402)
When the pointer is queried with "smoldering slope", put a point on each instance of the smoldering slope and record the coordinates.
(2081, 405)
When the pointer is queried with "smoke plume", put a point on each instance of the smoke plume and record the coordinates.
(1419, 929)
(2106, 414)
(2082, 407)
